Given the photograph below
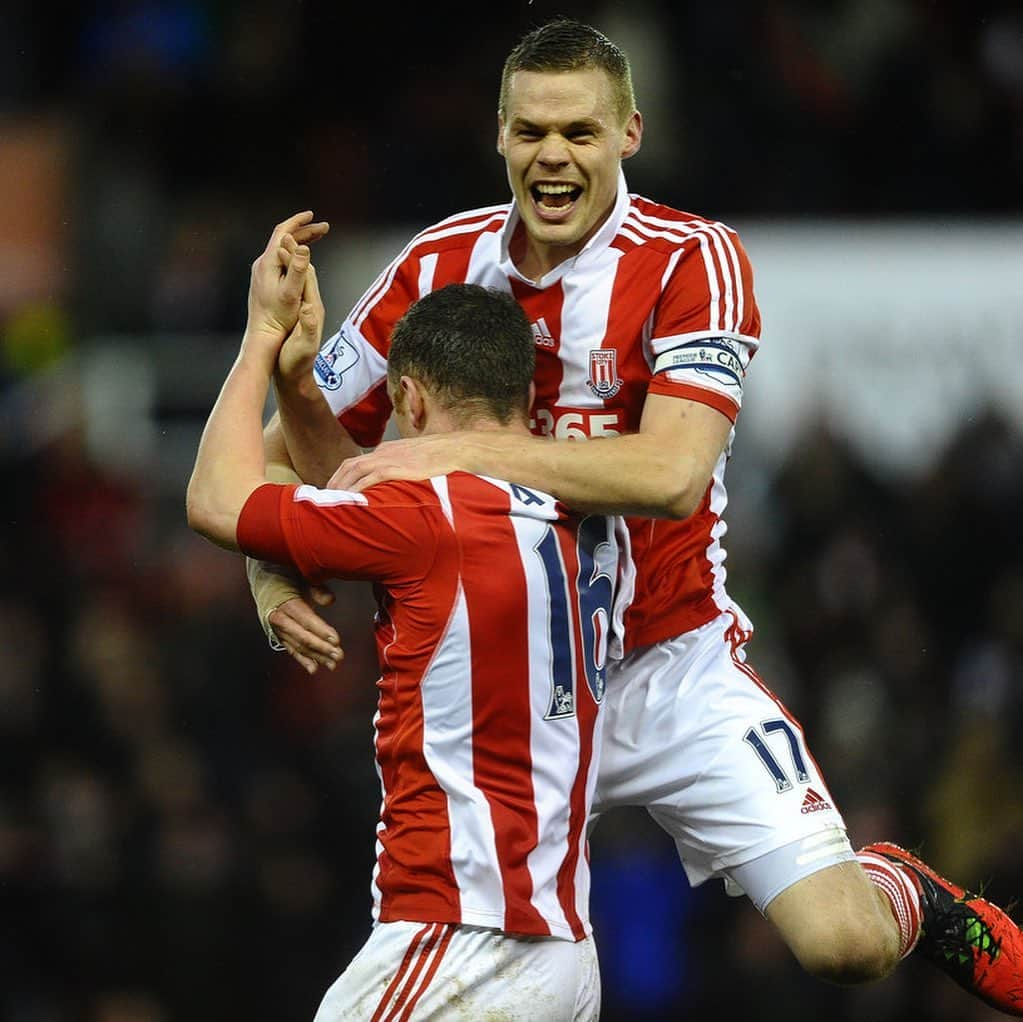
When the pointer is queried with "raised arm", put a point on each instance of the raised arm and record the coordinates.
(230, 463)
(660, 472)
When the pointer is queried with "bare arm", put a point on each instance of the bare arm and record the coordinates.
(230, 464)
(303, 435)
(660, 472)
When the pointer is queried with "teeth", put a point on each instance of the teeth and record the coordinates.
(555, 189)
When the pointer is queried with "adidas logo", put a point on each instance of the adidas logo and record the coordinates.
(814, 802)
(542, 334)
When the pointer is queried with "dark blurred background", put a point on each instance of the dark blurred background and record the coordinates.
(186, 819)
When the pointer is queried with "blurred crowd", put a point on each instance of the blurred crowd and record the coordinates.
(186, 818)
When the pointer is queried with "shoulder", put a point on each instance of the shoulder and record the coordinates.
(459, 230)
(400, 493)
(661, 226)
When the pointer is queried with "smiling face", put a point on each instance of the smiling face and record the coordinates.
(563, 138)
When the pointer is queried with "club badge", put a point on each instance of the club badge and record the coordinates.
(604, 380)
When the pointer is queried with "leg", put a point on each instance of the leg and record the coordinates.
(838, 925)
(692, 733)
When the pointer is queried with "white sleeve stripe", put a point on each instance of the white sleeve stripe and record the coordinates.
(733, 308)
(735, 280)
(681, 233)
(323, 497)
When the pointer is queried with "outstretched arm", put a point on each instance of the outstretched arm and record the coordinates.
(660, 472)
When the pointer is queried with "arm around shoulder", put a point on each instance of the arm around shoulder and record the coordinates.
(662, 471)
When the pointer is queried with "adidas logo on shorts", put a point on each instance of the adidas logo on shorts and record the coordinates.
(814, 802)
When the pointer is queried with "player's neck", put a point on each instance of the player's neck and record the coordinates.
(533, 259)
(475, 424)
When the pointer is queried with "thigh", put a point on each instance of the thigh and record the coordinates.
(435, 972)
(693, 734)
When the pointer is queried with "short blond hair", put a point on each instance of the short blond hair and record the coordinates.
(565, 44)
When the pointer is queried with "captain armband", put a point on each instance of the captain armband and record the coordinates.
(717, 357)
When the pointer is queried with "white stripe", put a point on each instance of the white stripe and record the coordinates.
(679, 233)
(828, 836)
(427, 269)
(376, 894)
(715, 552)
(736, 278)
(731, 273)
(329, 498)
(553, 744)
(821, 853)
(446, 692)
(442, 231)
(585, 311)
(632, 236)
(440, 487)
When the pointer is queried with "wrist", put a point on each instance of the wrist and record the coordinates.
(297, 387)
(485, 453)
(257, 355)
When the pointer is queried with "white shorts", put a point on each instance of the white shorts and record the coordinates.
(415, 972)
(691, 733)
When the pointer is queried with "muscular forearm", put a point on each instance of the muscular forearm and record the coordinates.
(313, 441)
(631, 475)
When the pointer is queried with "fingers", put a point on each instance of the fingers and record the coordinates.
(312, 288)
(300, 227)
(306, 636)
(296, 230)
(295, 277)
(354, 474)
(309, 233)
(312, 327)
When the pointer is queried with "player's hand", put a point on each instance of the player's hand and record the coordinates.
(304, 634)
(278, 277)
(295, 359)
(413, 458)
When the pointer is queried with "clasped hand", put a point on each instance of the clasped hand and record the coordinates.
(284, 306)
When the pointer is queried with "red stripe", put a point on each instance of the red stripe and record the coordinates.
(662, 384)
(901, 894)
(416, 879)
(431, 972)
(453, 264)
(502, 761)
(421, 958)
(636, 289)
(402, 969)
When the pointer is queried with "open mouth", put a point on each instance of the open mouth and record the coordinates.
(555, 197)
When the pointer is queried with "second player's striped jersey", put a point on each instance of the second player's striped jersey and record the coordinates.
(497, 612)
(659, 301)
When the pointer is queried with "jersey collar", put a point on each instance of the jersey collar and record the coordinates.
(593, 248)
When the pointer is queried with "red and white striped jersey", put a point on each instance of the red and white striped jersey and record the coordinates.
(497, 611)
(659, 301)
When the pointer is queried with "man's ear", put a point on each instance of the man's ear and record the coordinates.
(500, 135)
(633, 135)
(414, 401)
(532, 396)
